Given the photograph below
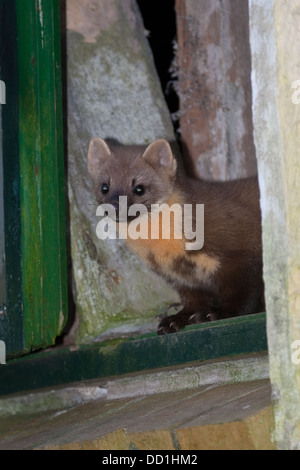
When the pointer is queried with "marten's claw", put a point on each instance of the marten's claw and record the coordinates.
(175, 323)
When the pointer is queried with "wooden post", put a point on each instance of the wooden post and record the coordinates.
(215, 88)
(275, 44)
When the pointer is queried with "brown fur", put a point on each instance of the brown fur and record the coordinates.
(222, 279)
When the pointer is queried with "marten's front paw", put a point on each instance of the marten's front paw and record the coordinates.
(170, 325)
(200, 317)
(175, 323)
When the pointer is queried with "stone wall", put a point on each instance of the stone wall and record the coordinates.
(113, 92)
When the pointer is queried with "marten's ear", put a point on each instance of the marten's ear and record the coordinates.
(98, 153)
(160, 156)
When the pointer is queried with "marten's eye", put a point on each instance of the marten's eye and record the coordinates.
(139, 190)
(105, 189)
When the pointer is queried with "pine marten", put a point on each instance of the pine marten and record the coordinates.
(223, 278)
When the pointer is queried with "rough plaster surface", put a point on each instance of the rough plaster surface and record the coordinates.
(275, 43)
(113, 91)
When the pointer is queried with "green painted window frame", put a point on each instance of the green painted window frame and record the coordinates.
(233, 337)
(11, 323)
(34, 189)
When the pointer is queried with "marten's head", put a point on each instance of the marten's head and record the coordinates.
(145, 175)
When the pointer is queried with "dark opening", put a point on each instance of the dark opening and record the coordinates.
(160, 23)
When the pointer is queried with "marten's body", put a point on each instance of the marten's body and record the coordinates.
(223, 278)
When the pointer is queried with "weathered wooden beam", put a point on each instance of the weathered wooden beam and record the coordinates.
(214, 70)
(275, 44)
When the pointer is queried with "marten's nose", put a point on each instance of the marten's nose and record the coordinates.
(115, 205)
(114, 200)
